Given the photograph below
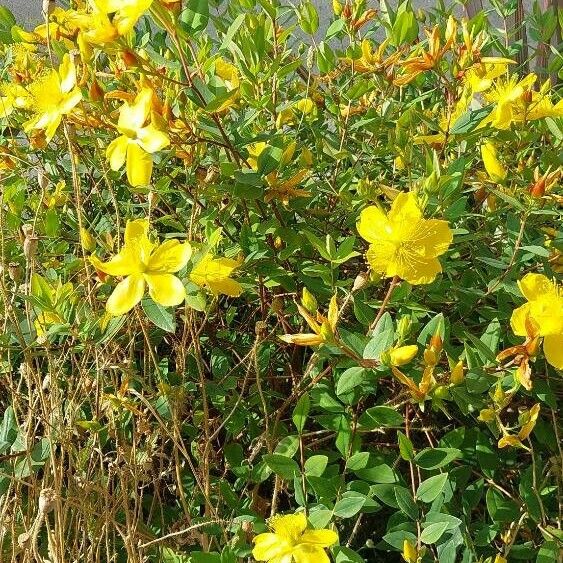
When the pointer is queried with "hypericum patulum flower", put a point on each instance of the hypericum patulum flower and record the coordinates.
(138, 140)
(402, 243)
(53, 96)
(291, 541)
(215, 273)
(541, 316)
(141, 263)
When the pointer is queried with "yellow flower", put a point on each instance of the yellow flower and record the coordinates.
(542, 315)
(291, 541)
(541, 106)
(109, 18)
(13, 97)
(137, 140)
(480, 76)
(402, 243)
(54, 96)
(125, 12)
(507, 95)
(494, 168)
(214, 273)
(142, 262)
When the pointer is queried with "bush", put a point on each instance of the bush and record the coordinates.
(274, 293)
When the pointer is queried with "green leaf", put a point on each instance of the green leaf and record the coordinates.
(501, 509)
(405, 28)
(406, 502)
(348, 507)
(350, 379)
(158, 315)
(380, 416)
(469, 120)
(287, 446)
(434, 458)
(301, 412)
(269, 160)
(8, 430)
(430, 488)
(281, 465)
(381, 338)
(406, 448)
(308, 17)
(195, 17)
(316, 465)
(433, 532)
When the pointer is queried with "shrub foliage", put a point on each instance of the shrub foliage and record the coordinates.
(279, 293)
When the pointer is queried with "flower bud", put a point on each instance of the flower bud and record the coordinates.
(95, 91)
(360, 281)
(403, 355)
(441, 392)
(430, 357)
(309, 301)
(457, 376)
(538, 188)
(336, 7)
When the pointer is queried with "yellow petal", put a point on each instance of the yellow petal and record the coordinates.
(324, 538)
(307, 553)
(139, 165)
(405, 209)
(269, 546)
(152, 139)
(170, 257)
(122, 264)
(214, 273)
(225, 286)
(373, 225)
(553, 350)
(534, 286)
(69, 101)
(518, 320)
(126, 295)
(165, 289)
(381, 256)
(416, 269)
(431, 237)
(133, 117)
(117, 151)
(494, 168)
(67, 73)
(289, 526)
(53, 122)
(127, 16)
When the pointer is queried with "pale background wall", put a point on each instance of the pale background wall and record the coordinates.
(29, 11)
